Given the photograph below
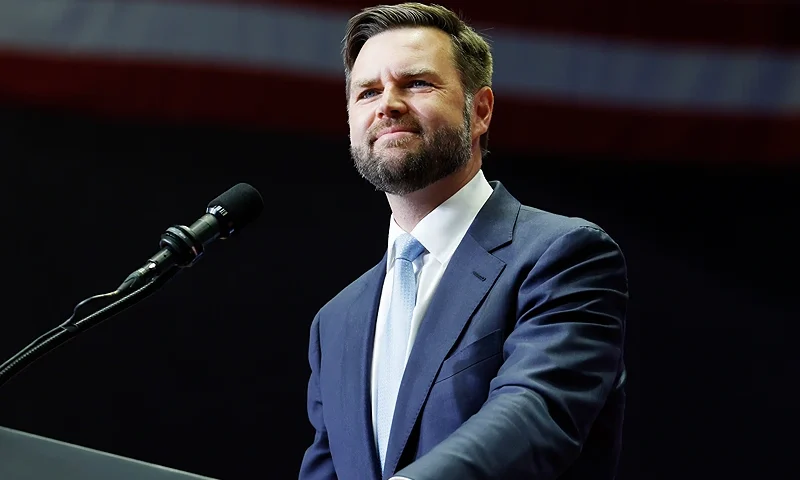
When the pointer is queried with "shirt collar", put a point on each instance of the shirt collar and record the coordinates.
(441, 231)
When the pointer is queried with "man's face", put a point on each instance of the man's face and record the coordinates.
(409, 122)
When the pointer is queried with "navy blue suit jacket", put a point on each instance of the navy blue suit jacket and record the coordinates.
(516, 372)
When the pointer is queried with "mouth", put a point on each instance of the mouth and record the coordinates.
(395, 135)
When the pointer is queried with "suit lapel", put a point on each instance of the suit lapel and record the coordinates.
(356, 367)
(470, 275)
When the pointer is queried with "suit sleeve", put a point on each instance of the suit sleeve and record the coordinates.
(560, 363)
(317, 462)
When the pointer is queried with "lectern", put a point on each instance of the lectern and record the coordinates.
(24, 456)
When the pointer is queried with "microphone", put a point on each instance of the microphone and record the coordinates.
(182, 246)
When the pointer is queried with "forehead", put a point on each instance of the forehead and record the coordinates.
(405, 49)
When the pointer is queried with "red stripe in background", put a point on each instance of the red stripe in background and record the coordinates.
(186, 94)
(716, 23)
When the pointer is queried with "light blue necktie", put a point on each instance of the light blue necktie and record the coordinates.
(391, 362)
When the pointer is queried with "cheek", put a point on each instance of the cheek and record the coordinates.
(438, 116)
(358, 125)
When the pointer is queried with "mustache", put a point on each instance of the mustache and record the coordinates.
(379, 127)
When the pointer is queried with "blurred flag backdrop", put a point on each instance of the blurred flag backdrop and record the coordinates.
(694, 80)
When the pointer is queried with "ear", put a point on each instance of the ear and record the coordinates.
(482, 108)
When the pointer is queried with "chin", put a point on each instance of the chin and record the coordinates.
(395, 155)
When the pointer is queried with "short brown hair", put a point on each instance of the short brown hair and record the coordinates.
(471, 52)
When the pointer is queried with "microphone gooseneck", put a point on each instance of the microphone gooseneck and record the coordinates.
(181, 247)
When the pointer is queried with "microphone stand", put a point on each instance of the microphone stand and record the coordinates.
(63, 333)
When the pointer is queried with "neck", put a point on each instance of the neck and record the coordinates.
(409, 209)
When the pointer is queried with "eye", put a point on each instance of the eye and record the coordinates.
(419, 83)
(367, 94)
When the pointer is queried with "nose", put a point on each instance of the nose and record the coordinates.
(392, 104)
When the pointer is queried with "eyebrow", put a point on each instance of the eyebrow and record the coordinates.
(410, 73)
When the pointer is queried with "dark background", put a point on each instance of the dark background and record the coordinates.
(209, 374)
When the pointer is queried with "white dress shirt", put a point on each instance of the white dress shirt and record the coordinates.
(440, 232)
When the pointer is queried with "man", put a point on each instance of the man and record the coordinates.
(488, 342)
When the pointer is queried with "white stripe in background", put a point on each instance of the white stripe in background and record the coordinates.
(306, 41)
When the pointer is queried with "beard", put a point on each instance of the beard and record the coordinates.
(441, 153)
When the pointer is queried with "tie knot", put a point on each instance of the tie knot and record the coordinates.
(407, 247)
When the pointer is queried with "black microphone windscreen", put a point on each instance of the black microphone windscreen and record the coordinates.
(240, 204)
